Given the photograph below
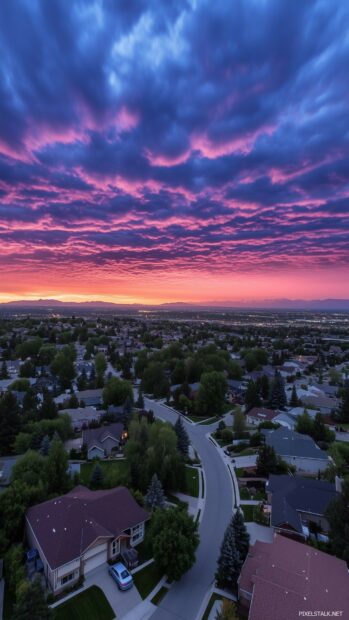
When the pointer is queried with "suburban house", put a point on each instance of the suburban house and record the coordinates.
(323, 403)
(282, 578)
(82, 416)
(298, 505)
(256, 415)
(296, 449)
(79, 531)
(101, 442)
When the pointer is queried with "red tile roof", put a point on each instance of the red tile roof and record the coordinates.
(286, 577)
(67, 525)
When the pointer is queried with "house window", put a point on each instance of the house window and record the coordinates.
(115, 547)
(67, 578)
(137, 532)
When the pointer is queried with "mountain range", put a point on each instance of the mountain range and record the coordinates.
(267, 304)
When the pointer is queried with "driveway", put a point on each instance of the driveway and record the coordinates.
(245, 461)
(259, 532)
(185, 597)
(121, 602)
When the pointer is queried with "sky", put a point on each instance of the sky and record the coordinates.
(174, 151)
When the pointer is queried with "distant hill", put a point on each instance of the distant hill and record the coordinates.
(268, 304)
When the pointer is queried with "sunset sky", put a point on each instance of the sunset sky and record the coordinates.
(155, 151)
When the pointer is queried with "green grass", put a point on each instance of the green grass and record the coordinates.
(192, 481)
(175, 500)
(210, 420)
(147, 578)
(117, 468)
(159, 595)
(88, 605)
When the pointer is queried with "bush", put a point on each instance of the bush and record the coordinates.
(241, 435)
(255, 440)
(226, 435)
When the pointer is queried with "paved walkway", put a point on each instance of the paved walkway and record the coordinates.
(259, 532)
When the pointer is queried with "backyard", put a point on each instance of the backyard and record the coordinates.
(109, 468)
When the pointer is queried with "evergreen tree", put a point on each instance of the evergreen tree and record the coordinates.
(278, 399)
(183, 441)
(97, 477)
(344, 409)
(127, 410)
(45, 446)
(242, 537)
(155, 497)
(229, 563)
(294, 402)
(4, 374)
(252, 398)
(31, 603)
(140, 401)
(239, 422)
(48, 409)
(267, 461)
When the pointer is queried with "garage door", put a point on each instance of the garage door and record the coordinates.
(95, 560)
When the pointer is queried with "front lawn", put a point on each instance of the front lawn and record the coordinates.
(192, 481)
(88, 605)
(115, 471)
(147, 578)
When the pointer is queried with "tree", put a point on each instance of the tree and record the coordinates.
(63, 367)
(175, 539)
(27, 369)
(56, 468)
(267, 461)
(97, 477)
(45, 445)
(242, 537)
(116, 391)
(155, 497)
(239, 422)
(14, 567)
(278, 399)
(183, 441)
(9, 422)
(127, 410)
(4, 373)
(343, 415)
(29, 469)
(31, 603)
(154, 380)
(101, 367)
(227, 611)
(229, 563)
(338, 517)
(304, 424)
(48, 409)
(252, 398)
(212, 393)
(294, 401)
(140, 400)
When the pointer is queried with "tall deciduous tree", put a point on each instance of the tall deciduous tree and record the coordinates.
(31, 603)
(9, 422)
(175, 539)
(212, 393)
(56, 467)
(116, 392)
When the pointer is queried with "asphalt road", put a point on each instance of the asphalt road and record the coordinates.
(185, 597)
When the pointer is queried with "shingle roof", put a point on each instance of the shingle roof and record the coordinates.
(289, 443)
(67, 525)
(96, 436)
(287, 577)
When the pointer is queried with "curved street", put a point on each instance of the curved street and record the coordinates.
(185, 597)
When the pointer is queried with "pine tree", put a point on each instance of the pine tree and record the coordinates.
(278, 399)
(252, 398)
(294, 402)
(140, 401)
(183, 441)
(45, 445)
(229, 562)
(242, 537)
(97, 477)
(155, 497)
